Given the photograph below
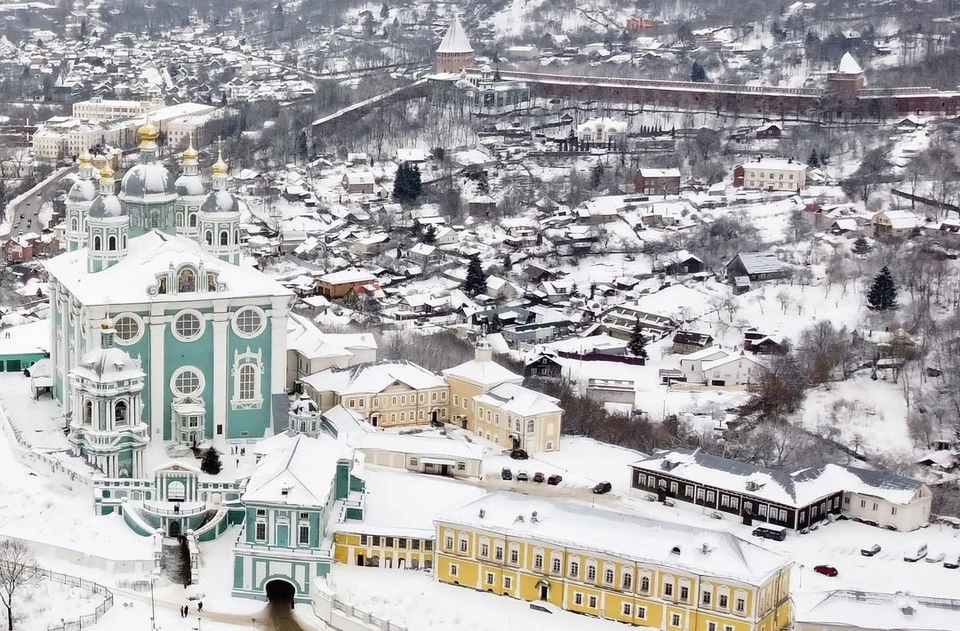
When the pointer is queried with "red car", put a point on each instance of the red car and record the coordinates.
(826, 570)
(554, 480)
(538, 477)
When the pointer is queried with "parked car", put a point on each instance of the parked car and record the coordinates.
(826, 570)
(936, 557)
(602, 487)
(915, 554)
(871, 551)
(518, 454)
(952, 563)
(522, 476)
(506, 474)
(554, 480)
(770, 531)
(538, 477)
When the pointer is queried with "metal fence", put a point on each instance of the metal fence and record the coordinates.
(83, 621)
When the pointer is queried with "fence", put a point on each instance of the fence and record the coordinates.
(83, 621)
(603, 357)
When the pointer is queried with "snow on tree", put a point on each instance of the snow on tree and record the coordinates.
(637, 344)
(211, 462)
(883, 292)
(814, 160)
(18, 567)
(476, 282)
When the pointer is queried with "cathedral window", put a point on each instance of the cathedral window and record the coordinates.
(123, 242)
(88, 413)
(186, 281)
(96, 243)
(188, 326)
(224, 238)
(112, 243)
(208, 237)
(73, 224)
(127, 328)
(179, 220)
(249, 322)
(193, 220)
(162, 285)
(211, 282)
(187, 382)
(248, 382)
(120, 414)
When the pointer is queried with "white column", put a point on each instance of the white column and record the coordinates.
(157, 389)
(221, 320)
(278, 347)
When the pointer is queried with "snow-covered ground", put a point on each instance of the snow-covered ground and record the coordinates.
(45, 602)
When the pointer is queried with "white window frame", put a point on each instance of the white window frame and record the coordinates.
(240, 313)
(136, 337)
(194, 393)
(182, 314)
(241, 361)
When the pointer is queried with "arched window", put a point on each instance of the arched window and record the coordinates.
(530, 427)
(96, 243)
(236, 236)
(88, 412)
(179, 220)
(247, 383)
(187, 281)
(74, 225)
(123, 242)
(591, 572)
(574, 569)
(224, 237)
(120, 413)
(556, 565)
(538, 561)
(211, 282)
(208, 237)
(112, 243)
(608, 576)
(193, 220)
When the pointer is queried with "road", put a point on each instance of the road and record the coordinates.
(24, 215)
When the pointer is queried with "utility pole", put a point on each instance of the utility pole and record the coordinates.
(153, 607)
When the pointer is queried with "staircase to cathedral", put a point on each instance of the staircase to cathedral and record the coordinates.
(175, 561)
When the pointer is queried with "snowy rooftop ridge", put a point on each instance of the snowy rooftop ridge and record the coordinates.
(569, 524)
(297, 470)
(849, 65)
(455, 41)
(904, 612)
(799, 488)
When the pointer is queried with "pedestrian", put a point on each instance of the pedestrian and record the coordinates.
(186, 610)
(238, 462)
(243, 451)
(200, 606)
(183, 611)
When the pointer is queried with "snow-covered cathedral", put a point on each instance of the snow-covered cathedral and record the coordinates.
(159, 331)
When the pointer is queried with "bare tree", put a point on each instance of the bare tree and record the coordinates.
(18, 567)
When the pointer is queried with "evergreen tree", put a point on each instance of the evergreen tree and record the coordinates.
(211, 462)
(303, 150)
(697, 73)
(596, 175)
(861, 246)
(429, 235)
(637, 345)
(407, 186)
(384, 11)
(476, 282)
(814, 160)
(883, 292)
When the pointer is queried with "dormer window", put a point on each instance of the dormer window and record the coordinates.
(186, 281)
(211, 282)
(162, 285)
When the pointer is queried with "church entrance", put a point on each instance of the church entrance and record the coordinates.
(174, 528)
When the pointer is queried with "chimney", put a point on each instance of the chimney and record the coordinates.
(483, 513)
(484, 352)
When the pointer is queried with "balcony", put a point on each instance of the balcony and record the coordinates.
(166, 509)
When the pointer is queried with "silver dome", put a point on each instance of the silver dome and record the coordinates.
(82, 191)
(145, 180)
(105, 207)
(220, 202)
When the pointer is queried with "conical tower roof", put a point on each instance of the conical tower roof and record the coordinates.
(455, 41)
(849, 65)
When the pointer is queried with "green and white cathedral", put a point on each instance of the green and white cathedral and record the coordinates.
(160, 332)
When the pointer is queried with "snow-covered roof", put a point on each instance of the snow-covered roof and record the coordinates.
(304, 337)
(849, 65)
(130, 280)
(729, 358)
(666, 544)
(796, 489)
(374, 378)
(484, 373)
(646, 172)
(775, 164)
(346, 423)
(441, 446)
(345, 276)
(873, 610)
(297, 470)
(455, 40)
(760, 262)
(514, 399)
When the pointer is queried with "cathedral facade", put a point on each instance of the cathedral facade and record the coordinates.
(160, 260)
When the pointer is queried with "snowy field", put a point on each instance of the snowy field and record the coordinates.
(46, 602)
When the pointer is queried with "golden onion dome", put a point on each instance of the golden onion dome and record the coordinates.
(106, 171)
(107, 324)
(85, 157)
(98, 161)
(220, 166)
(148, 132)
(190, 155)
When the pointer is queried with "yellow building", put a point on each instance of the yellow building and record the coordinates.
(385, 394)
(507, 405)
(619, 567)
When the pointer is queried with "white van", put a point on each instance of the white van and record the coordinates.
(915, 554)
